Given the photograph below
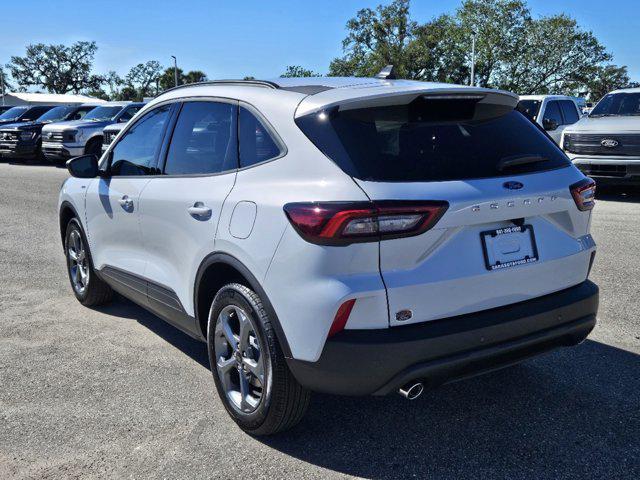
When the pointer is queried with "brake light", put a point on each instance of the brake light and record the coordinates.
(342, 315)
(584, 194)
(343, 223)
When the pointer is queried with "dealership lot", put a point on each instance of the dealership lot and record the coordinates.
(115, 392)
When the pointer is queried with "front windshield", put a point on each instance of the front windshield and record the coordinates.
(530, 108)
(13, 113)
(102, 113)
(614, 104)
(55, 114)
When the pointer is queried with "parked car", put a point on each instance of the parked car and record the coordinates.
(606, 144)
(24, 140)
(552, 112)
(23, 114)
(109, 134)
(64, 140)
(340, 235)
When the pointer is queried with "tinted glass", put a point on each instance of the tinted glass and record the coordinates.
(80, 113)
(530, 108)
(135, 153)
(394, 144)
(569, 111)
(103, 113)
(129, 113)
(34, 113)
(552, 112)
(616, 104)
(256, 144)
(204, 140)
(13, 113)
(57, 113)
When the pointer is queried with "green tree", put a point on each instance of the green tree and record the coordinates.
(56, 68)
(167, 78)
(377, 38)
(608, 78)
(195, 76)
(298, 71)
(142, 81)
(7, 85)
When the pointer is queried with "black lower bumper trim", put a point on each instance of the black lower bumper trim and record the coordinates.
(363, 362)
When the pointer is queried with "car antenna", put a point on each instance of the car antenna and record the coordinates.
(387, 73)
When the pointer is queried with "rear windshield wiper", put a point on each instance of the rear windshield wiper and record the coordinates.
(517, 160)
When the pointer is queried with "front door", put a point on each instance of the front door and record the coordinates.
(113, 202)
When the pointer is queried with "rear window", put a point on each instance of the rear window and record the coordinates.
(429, 140)
(530, 108)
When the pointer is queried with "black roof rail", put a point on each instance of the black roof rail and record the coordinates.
(248, 83)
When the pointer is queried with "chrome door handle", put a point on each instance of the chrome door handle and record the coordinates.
(200, 211)
(125, 202)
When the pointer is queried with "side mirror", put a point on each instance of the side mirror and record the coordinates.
(85, 166)
(549, 124)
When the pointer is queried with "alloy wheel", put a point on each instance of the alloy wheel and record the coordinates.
(78, 262)
(240, 361)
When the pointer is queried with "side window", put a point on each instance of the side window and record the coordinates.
(35, 113)
(256, 143)
(552, 112)
(81, 113)
(128, 114)
(569, 111)
(135, 153)
(204, 140)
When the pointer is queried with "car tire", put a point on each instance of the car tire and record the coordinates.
(265, 405)
(88, 288)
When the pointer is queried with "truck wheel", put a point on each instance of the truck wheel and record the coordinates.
(248, 366)
(90, 290)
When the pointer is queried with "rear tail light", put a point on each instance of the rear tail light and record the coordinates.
(343, 223)
(584, 194)
(341, 317)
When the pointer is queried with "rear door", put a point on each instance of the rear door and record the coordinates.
(553, 113)
(511, 230)
(181, 207)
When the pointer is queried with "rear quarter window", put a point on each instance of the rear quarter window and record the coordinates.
(415, 143)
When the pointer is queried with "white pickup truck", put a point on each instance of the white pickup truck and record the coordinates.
(554, 113)
(606, 144)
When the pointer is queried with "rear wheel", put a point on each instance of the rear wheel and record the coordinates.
(87, 287)
(249, 369)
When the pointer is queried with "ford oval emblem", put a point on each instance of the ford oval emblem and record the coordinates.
(609, 143)
(512, 185)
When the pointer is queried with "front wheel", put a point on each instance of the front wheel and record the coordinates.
(87, 287)
(249, 369)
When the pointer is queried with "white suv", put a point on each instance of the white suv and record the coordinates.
(349, 236)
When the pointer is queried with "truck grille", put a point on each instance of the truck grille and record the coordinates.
(618, 171)
(602, 144)
(108, 137)
(54, 137)
(8, 137)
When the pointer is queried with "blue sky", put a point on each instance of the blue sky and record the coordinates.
(231, 39)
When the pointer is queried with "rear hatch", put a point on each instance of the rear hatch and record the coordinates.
(509, 229)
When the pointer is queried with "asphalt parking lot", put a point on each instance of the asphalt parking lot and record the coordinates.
(117, 393)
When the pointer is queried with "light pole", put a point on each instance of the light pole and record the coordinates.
(473, 57)
(2, 83)
(175, 69)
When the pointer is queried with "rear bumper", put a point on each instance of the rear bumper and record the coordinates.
(363, 362)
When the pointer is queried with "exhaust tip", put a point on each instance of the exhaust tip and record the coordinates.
(412, 390)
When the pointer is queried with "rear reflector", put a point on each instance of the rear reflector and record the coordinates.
(584, 194)
(343, 223)
(341, 317)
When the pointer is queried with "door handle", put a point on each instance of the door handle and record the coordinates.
(125, 202)
(199, 211)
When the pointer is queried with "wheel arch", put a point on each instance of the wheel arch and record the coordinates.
(215, 271)
(67, 212)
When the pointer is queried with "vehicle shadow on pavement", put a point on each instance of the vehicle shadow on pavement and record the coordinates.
(628, 194)
(572, 413)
